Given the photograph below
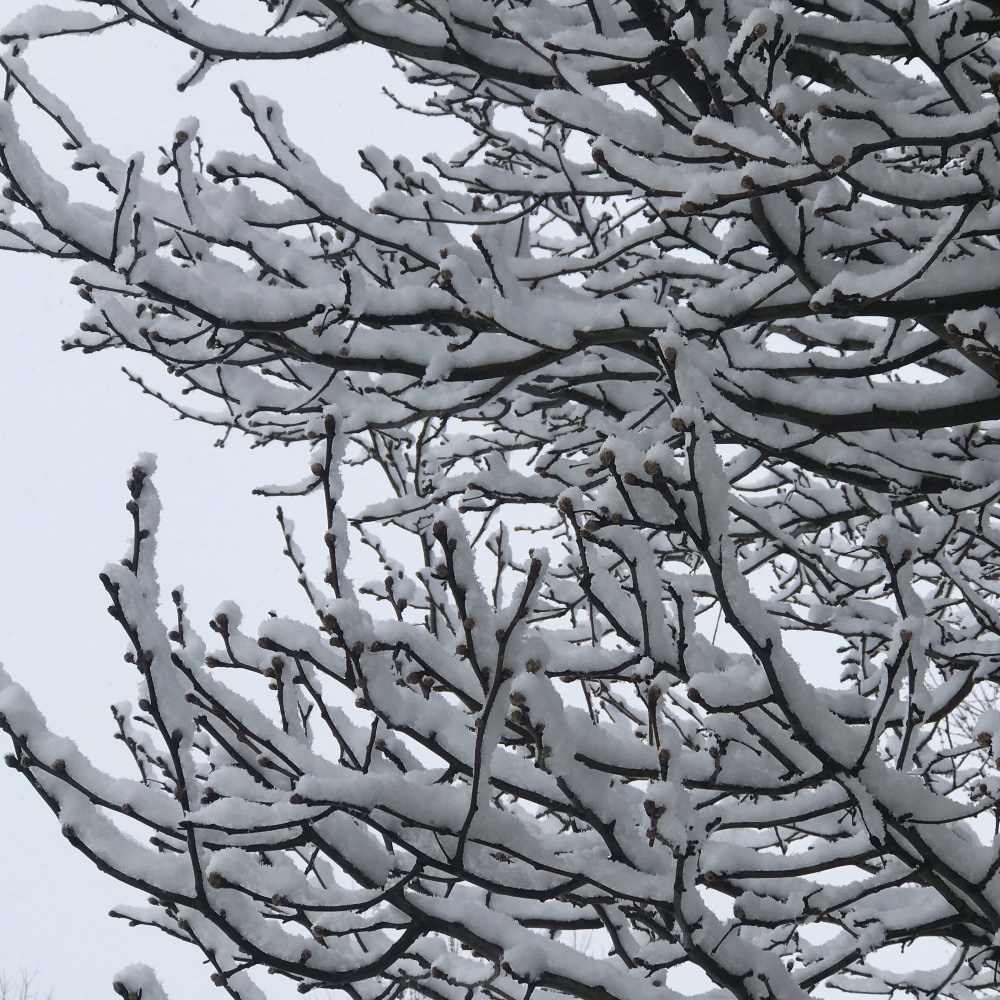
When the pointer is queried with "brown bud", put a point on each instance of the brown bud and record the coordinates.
(532, 666)
(652, 468)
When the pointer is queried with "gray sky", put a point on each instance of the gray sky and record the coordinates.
(70, 427)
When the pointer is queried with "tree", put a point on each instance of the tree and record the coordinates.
(22, 988)
(708, 305)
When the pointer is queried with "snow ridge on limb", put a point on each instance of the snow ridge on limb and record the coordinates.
(725, 352)
(468, 798)
(847, 195)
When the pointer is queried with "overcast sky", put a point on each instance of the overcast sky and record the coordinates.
(70, 427)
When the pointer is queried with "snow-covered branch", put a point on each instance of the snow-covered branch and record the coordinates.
(690, 354)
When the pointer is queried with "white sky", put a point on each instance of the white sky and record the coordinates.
(70, 427)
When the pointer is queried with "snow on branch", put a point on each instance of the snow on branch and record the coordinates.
(690, 355)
